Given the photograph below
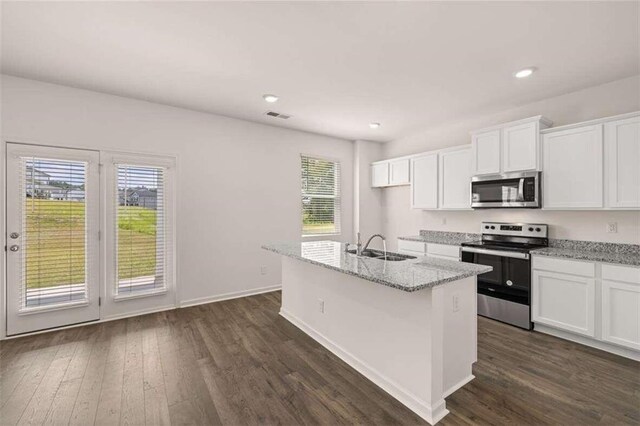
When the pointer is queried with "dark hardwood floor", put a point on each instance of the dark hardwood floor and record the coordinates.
(237, 362)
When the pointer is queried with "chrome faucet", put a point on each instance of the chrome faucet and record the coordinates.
(359, 248)
(369, 241)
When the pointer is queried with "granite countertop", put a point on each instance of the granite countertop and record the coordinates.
(620, 254)
(407, 275)
(441, 237)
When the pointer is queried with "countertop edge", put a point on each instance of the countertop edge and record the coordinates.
(601, 257)
(386, 283)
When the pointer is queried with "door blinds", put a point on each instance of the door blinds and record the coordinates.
(54, 258)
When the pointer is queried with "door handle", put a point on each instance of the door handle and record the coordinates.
(14, 235)
(14, 248)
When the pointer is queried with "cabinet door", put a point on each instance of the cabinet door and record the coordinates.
(572, 168)
(379, 174)
(622, 163)
(424, 182)
(455, 179)
(520, 147)
(413, 248)
(564, 301)
(621, 313)
(485, 153)
(399, 172)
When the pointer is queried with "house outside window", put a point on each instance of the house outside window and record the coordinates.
(320, 196)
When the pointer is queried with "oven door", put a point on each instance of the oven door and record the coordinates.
(507, 190)
(511, 276)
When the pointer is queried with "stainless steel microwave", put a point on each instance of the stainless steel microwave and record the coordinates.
(508, 190)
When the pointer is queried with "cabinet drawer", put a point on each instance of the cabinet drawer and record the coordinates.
(625, 274)
(585, 269)
(411, 246)
(443, 250)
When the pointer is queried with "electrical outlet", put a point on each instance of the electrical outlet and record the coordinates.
(612, 227)
(456, 302)
(444, 220)
(263, 270)
(321, 306)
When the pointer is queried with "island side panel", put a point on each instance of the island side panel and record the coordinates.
(393, 337)
(460, 332)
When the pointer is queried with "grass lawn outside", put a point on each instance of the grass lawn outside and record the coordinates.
(318, 228)
(55, 242)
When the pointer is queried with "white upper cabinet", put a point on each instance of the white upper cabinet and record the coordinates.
(424, 181)
(573, 168)
(485, 153)
(509, 147)
(455, 178)
(521, 147)
(399, 172)
(380, 174)
(622, 163)
(391, 172)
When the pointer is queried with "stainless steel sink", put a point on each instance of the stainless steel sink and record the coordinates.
(379, 254)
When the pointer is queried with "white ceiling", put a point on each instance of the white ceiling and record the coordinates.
(335, 66)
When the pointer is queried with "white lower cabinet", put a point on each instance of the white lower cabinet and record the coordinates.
(564, 301)
(621, 306)
(443, 251)
(438, 251)
(594, 300)
(412, 248)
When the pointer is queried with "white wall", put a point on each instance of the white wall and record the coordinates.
(609, 99)
(367, 208)
(238, 182)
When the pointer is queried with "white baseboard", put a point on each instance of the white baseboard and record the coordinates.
(137, 313)
(458, 385)
(228, 296)
(100, 321)
(415, 404)
(614, 349)
(187, 303)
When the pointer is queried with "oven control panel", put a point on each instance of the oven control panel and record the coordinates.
(515, 229)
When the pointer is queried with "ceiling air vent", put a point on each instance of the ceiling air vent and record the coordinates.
(277, 115)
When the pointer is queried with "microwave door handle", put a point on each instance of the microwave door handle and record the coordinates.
(521, 190)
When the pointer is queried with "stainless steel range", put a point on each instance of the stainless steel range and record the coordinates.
(504, 294)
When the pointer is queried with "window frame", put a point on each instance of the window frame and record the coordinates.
(337, 198)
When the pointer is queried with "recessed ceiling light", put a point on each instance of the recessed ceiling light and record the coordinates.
(524, 73)
(270, 98)
(374, 125)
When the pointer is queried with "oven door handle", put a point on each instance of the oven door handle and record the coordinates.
(500, 253)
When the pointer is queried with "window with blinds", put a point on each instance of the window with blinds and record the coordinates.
(54, 241)
(141, 229)
(320, 196)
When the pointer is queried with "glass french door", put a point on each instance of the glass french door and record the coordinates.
(53, 276)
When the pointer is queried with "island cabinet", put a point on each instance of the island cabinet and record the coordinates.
(408, 326)
(593, 165)
(594, 303)
(509, 147)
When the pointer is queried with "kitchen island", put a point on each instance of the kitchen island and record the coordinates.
(409, 326)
